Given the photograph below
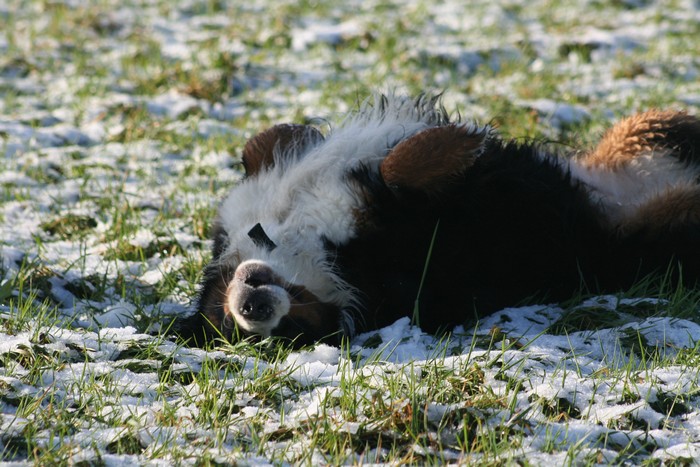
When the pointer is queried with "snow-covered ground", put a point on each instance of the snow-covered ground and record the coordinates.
(120, 127)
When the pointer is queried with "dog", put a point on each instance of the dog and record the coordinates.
(401, 211)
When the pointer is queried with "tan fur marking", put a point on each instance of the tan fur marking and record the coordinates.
(426, 160)
(635, 135)
(259, 151)
(307, 306)
(675, 208)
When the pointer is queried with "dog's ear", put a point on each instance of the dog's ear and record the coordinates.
(661, 132)
(429, 160)
(282, 140)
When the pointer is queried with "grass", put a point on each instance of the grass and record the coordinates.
(113, 221)
(236, 401)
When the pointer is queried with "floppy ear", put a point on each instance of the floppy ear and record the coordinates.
(655, 131)
(259, 152)
(428, 160)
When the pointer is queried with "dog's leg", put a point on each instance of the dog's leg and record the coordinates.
(656, 133)
(645, 173)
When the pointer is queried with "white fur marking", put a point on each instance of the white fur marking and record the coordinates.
(624, 190)
(281, 305)
(299, 201)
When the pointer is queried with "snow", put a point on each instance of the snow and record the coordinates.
(64, 149)
(120, 314)
(559, 113)
(332, 34)
(317, 366)
(404, 349)
(171, 105)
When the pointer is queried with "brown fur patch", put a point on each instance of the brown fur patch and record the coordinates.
(259, 151)
(427, 160)
(641, 133)
(674, 209)
(321, 317)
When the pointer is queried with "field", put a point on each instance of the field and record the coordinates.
(121, 128)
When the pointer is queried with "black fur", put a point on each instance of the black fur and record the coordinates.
(515, 227)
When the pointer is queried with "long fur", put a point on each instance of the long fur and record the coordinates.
(349, 219)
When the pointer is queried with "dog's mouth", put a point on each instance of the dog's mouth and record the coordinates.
(256, 298)
(263, 304)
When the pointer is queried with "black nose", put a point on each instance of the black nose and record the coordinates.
(257, 308)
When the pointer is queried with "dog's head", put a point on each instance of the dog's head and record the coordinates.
(305, 197)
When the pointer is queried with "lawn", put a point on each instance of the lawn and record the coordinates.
(121, 129)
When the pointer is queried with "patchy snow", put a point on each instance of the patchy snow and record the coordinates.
(320, 372)
(332, 34)
(119, 314)
(171, 104)
(558, 113)
(86, 153)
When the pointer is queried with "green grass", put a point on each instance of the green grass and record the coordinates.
(123, 223)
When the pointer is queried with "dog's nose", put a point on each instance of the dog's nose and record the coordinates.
(257, 307)
(255, 288)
